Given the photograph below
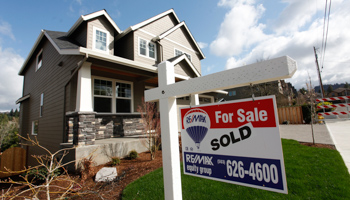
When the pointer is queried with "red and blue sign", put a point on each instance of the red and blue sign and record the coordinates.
(236, 142)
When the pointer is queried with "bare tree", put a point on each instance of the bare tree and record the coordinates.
(151, 125)
(311, 97)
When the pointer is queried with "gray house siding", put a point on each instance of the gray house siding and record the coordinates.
(124, 47)
(50, 79)
(181, 36)
(101, 23)
(79, 35)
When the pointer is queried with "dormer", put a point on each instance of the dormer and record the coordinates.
(95, 31)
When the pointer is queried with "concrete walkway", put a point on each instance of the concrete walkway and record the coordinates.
(340, 132)
(303, 133)
(335, 132)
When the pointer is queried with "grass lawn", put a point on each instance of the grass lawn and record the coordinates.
(312, 173)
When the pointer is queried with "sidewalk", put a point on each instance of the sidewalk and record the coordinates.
(340, 133)
(303, 133)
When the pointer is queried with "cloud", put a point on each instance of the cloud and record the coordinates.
(10, 82)
(202, 45)
(296, 15)
(240, 28)
(5, 29)
(294, 35)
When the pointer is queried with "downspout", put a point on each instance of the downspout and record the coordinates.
(80, 64)
(157, 40)
(161, 50)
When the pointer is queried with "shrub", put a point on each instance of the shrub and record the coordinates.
(133, 154)
(115, 161)
(40, 173)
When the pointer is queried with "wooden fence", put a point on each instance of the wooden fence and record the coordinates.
(292, 114)
(13, 159)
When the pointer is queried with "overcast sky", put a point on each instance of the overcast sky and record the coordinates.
(231, 33)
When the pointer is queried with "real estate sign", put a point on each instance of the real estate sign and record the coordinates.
(236, 142)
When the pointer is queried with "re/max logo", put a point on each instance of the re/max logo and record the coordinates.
(195, 118)
(197, 159)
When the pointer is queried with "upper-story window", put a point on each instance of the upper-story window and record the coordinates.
(41, 104)
(39, 59)
(147, 48)
(179, 52)
(100, 40)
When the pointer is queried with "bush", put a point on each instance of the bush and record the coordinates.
(306, 113)
(41, 173)
(115, 161)
(133, 154)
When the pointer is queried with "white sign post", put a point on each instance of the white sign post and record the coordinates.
(167, 92)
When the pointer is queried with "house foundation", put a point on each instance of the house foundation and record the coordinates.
(84, 128)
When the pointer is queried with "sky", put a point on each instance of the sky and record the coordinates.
(231, 33)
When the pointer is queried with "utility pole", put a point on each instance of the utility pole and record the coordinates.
(319, 74)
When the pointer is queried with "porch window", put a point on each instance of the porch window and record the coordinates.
(103, 96)
(147, 48)
(123, 97)
(112, 96)
(100, 39)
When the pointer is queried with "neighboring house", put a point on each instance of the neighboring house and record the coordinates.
(283, 91)
(339, 92)
(87, 83)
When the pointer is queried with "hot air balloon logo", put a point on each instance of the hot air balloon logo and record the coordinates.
(196, 122)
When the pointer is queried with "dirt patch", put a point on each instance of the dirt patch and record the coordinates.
(327, 146)
(128, 171)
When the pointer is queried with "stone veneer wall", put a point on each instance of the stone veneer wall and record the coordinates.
(81, 128)
(84, 128)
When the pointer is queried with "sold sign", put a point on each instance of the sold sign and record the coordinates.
(236, 142)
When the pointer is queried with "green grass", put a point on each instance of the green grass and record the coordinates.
(312, 173)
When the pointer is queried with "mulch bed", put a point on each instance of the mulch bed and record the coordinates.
(128, 171)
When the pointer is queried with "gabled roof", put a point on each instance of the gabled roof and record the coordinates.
(148, 21)
(59, 40)
(152, 19)
(87, 17)
(168, 32)
(175, 60)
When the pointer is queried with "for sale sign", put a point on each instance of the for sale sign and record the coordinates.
(236, 142)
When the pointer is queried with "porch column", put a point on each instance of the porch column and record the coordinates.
(84, 97)
(194, 100)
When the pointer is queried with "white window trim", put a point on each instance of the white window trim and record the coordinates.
(147, 49)
(94, 39)
(41, 105)
(33, 122)
(183, 52)
(113, 97)
(37, 67)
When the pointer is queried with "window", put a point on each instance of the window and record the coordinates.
(100, 40)
(147, 48)
(35, 125)
(41, 104)
(112, 96)
(123, 97)
(178, 52)
(232, 93)
(39, 59)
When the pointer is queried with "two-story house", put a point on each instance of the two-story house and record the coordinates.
(86, 84)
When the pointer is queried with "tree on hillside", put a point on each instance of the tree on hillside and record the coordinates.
(302, 90)
(329, 89)
(346, 85)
